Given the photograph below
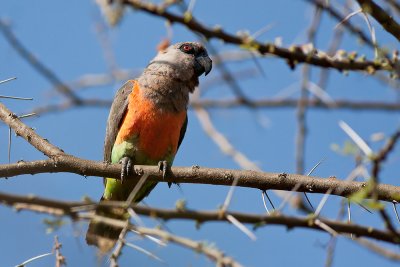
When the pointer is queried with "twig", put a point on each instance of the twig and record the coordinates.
(33, 259)
(120, 244)
(144, 251)
(383, 154)
(36, 64)
(378, 249)
(7, 80)
(60, 259)
(16, 97)
(212, 253)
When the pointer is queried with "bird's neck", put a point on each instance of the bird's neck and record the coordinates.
(167, 91)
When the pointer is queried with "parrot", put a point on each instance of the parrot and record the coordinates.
(146, 125)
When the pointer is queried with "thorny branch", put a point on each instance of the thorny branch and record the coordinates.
(339, 17)
(380, 15)
(214, 254)
(293, 55)
(78, 210)
(61, 162)
(200, 175)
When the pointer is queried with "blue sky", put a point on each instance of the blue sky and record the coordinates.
(63, 36)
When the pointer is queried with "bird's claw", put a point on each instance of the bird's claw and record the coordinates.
(126, 168)
(163, 166)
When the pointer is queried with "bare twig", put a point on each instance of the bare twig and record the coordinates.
(36, 64)
(16, 97)
(120, 244)
(378, 249)
(7, 80)
(33, 259)
(60, 259)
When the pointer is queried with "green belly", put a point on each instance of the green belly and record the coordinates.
(114, 189)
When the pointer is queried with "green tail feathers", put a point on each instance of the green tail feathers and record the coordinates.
(103, 235)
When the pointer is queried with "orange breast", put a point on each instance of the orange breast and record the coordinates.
(158, 131)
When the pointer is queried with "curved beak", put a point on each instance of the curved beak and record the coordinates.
(203, 64)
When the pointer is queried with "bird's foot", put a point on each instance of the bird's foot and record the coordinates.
(163, 167)
(126, 169)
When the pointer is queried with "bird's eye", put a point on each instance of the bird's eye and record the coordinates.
(187, 48)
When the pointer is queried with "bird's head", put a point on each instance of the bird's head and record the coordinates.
(187, 61)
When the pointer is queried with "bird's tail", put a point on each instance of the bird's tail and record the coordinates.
(103, 235)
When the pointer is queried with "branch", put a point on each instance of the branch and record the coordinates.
(199, 175)
(339, 17)
(383, 154)
(380, 15)
(293, 55)
(74, 210)
(291, 103)
(28, 133)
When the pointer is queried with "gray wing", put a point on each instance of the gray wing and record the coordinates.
(117, 112)
(182, 132)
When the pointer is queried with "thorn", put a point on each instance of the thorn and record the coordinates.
(136, 190)
(316, 166)
(230, 194)
(356, 139)
(7, 80)
(144, 251)
(349, 217)
(27, 115)
(323, 201)
(288, 196)
(191, 6)
(309, 173)
(151, 238)
(365, 208)
(309, 202)
(269, 200)
(9, 144)
(265, 204)
(16, 97)
(348, 212)
(135, 217)
(395, 210)
(325, 227)
(241, 227)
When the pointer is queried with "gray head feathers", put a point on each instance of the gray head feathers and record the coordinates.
(173, 74)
